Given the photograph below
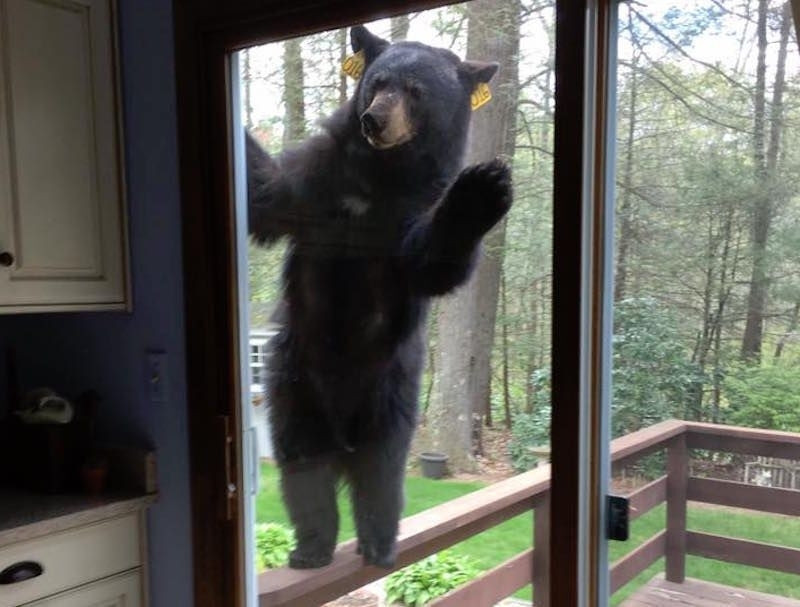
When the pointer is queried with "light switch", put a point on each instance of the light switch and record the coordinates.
(156, 376)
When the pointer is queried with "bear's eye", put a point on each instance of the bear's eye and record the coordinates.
(380, 81)
(414, 90)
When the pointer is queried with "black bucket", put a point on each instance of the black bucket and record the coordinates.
(434, 465)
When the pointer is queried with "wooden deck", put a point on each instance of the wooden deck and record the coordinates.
(661, 593)
(447, 524)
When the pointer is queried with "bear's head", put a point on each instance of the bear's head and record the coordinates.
(410, 92)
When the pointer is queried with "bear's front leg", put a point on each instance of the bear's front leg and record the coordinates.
(309, 492)
(442, 247)
(270, 213)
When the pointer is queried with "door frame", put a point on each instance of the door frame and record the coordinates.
(581, 306)
(206, 31)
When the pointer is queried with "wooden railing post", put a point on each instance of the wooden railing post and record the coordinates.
(677, 483)
(541, 552)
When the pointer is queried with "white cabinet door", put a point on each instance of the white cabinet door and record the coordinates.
(120, 591)
(62, 228)
(106, 548)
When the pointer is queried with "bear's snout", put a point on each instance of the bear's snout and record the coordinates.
(372, 124)
(385, 123)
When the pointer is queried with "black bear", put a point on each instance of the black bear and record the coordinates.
(379, 220)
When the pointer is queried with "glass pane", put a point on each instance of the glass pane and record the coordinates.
(363, 326)
(706, 292)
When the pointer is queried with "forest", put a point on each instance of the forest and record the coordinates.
(707, 215)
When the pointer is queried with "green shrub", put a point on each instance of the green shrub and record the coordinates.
(274, 542)
(765, 396)
(420, 583)
(652, 374)
(528, 430)
(531, 429)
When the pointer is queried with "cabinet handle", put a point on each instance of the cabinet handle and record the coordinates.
(6, 259)
(19, 572)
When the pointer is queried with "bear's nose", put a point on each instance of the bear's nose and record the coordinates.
(371, 124)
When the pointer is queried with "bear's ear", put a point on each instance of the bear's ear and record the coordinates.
(361, 39)
(478, 71)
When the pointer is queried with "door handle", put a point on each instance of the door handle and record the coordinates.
(228, 495)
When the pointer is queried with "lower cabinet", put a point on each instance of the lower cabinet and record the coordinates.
(99, 564)
(122, 590)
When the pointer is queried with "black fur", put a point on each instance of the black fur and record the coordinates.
(373, 235)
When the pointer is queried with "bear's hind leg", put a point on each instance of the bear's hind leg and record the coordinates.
(376, 482)
(309, 491)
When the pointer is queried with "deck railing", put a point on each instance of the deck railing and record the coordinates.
(449, 523)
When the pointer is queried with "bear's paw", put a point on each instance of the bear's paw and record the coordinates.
(482, 194)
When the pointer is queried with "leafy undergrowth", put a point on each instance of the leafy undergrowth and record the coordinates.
(423, 581)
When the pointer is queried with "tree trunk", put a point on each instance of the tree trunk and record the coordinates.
(538, 298)
(533, 354)
(399, 28)
(723, 293)
(294, 127)
(467, 319)
(626, 209)
(766, 161)
(790, 330)
(776, 107)
(704, 338)
(247, 82)
(448, 422)
(506, 380)
(343, 50)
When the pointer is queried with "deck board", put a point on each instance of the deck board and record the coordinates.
(661, 593)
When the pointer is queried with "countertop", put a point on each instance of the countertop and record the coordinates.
(26, 515)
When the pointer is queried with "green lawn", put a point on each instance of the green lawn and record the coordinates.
(504, 541)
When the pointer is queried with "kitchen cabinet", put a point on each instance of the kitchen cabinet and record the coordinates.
(119, 591)
(63, 237)
(89, 554)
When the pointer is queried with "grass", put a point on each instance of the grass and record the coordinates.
(514, 536)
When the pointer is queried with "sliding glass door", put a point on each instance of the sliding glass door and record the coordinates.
(384, 261)
(704, 349)
(641, 288)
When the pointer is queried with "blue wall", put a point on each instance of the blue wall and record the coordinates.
(72, 352)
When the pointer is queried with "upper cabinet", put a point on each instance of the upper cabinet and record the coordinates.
(63, 242)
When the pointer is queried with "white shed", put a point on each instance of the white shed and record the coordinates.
(258, 387)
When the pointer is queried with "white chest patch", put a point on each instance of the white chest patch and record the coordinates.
(355, 204)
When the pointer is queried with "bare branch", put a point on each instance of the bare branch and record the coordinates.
(670, 42)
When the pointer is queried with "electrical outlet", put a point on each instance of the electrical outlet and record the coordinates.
(156, 376)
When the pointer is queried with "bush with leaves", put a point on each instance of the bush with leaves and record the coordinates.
(651, 371)
(652, 376)
(420, 583)
(764, 396)
(531, 429)
(274, 542)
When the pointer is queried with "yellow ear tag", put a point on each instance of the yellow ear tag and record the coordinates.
(480, 96)
(353, 65)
